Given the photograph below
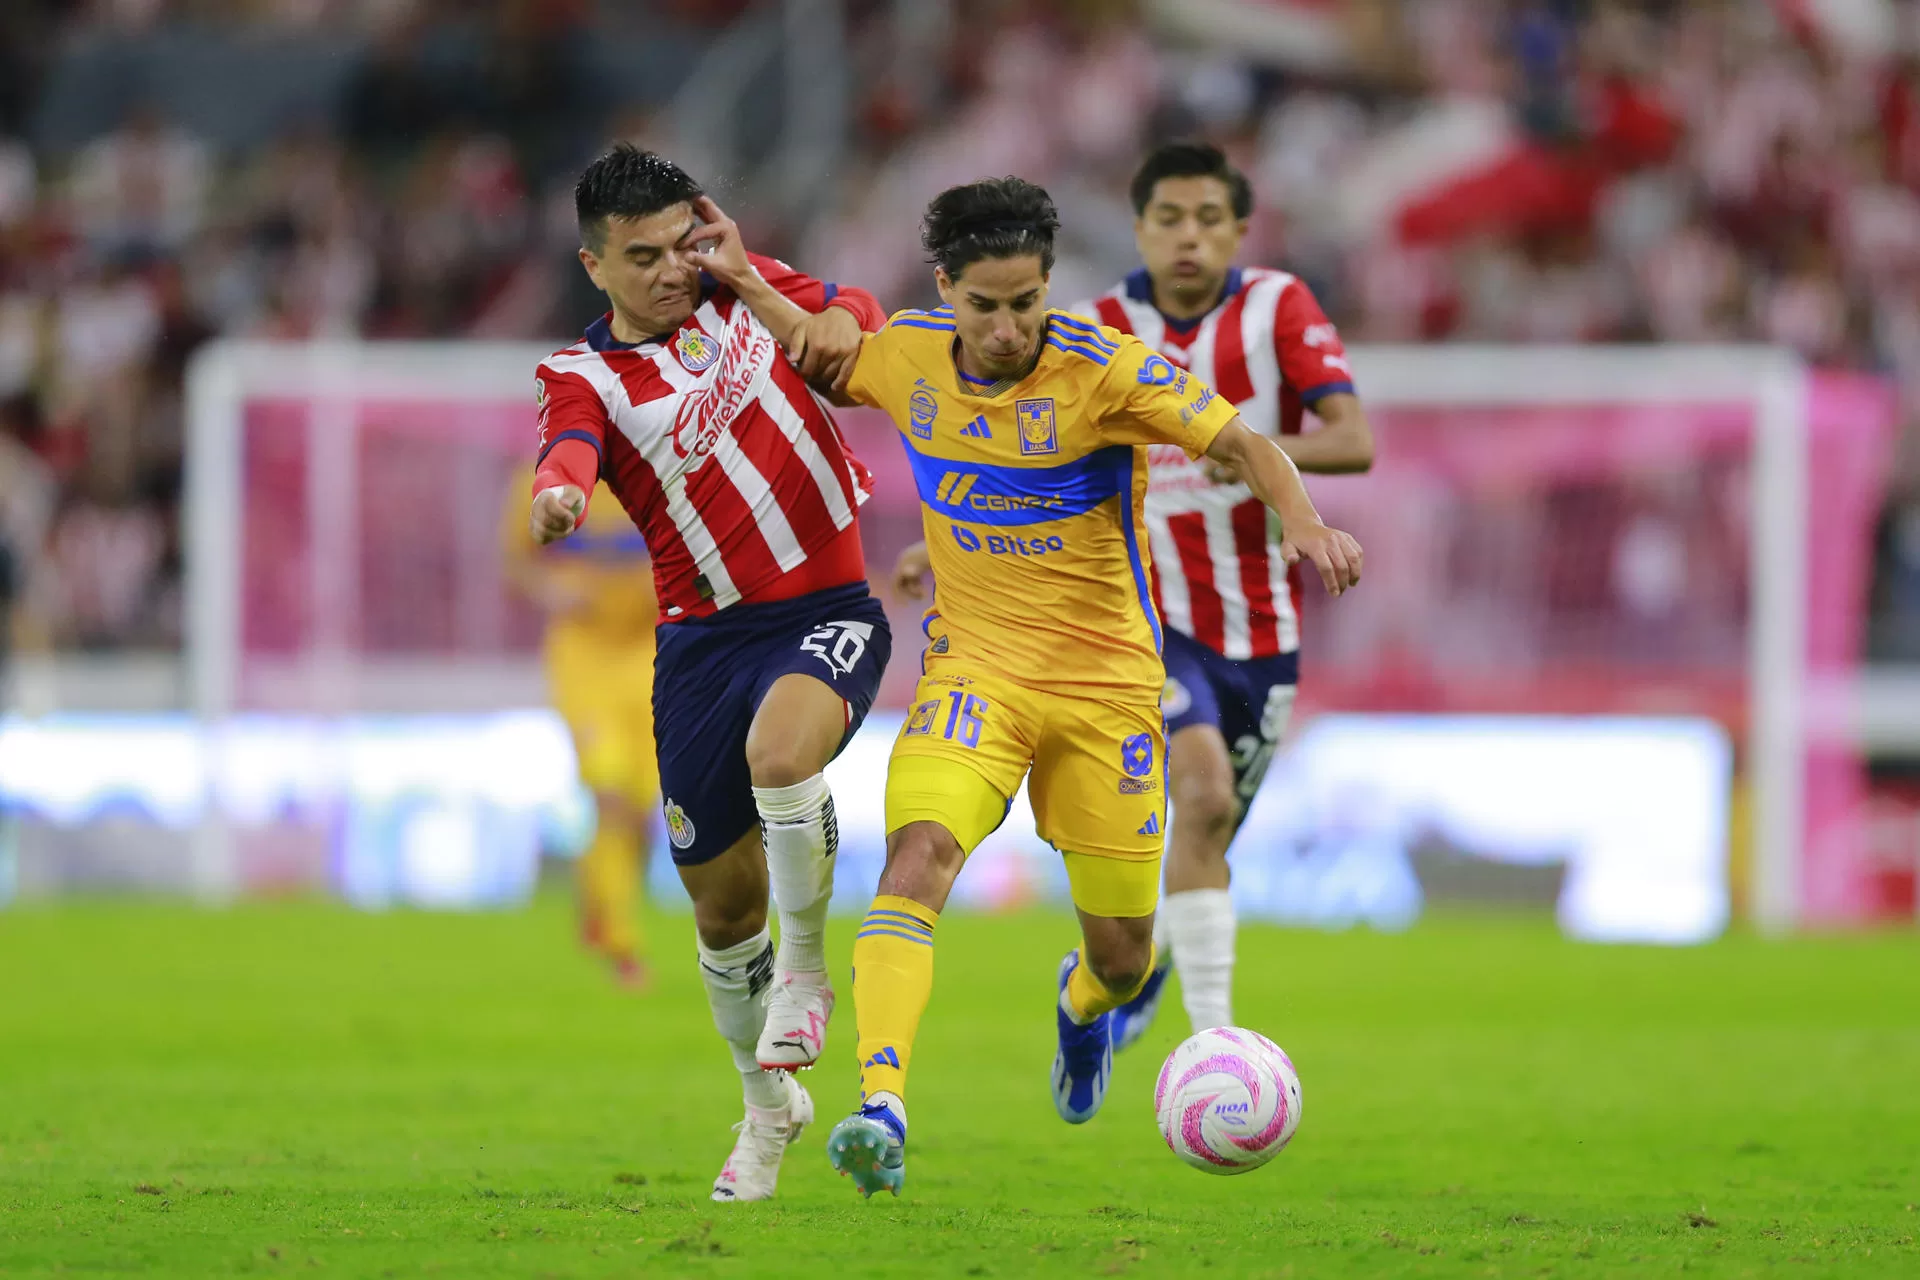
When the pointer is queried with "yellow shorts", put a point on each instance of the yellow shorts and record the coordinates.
(602, 686)
(1094, 769)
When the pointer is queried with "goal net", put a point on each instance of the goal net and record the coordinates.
(1554, 536)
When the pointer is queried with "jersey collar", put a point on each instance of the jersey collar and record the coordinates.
(600, 332)
(967, 385)
(1139, 288)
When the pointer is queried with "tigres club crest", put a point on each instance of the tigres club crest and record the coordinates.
(1037, 433)
(696, 350)
(679, 826)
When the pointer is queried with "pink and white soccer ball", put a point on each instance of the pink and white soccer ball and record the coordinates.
(1228, 1100)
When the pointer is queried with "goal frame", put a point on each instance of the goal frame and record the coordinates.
(331, 375)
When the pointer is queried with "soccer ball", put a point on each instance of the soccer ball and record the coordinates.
(1228, 1100)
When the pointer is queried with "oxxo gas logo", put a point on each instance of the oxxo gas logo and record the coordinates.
(995, 544)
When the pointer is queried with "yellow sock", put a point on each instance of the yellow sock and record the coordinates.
(892, 978)
(1088, 997)
(610, 887)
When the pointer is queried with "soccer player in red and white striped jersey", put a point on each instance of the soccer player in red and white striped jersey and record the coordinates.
(1230, 602)
(770, 647)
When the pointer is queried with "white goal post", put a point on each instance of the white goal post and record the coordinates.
(332, 377)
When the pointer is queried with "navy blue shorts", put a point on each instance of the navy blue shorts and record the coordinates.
(709, 678)
(1249, 702)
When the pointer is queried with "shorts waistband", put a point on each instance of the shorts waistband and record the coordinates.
(758, 615)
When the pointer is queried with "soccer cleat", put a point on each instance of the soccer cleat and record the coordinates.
(1084, 1059)
(796, 1030)
(1131, 1020)
(753, 1166)
(870, 1146)
(632, 973)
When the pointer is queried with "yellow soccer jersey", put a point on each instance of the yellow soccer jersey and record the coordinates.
(606, 558)
(1032, 494)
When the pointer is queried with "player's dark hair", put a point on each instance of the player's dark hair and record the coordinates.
(991, 218)
(1189, 160)
(626, 182)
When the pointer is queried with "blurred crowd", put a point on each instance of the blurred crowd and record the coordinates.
(1535, 170)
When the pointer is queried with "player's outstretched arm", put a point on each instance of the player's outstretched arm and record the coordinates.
(910, 571)
(1343, 444)
(718, 250)
(1259, 464)
(556, 512)
(823, 345)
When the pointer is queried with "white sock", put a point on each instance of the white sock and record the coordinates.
(736, 979)
(1200, 927)
(891, 1101)
(802, 835)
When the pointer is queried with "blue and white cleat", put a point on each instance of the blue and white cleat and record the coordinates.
(1131, 1020)
(870, 1146)
(1084, 1061)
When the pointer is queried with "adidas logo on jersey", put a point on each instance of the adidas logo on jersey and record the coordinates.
(1151, 827)
(885, 1058)
(978, 429)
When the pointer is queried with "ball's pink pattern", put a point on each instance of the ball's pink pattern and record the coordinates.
(1233, 1064)
(1251, 1070)
(1192, 1134)
(1276, 1050)
(1282, 1108)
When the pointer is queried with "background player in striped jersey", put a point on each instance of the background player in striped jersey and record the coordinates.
(770, 646)
(1229, 600)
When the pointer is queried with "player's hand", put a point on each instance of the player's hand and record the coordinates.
(716, 247)
(828, 347)
(556, 512)
(910, 572)
(1335, 554)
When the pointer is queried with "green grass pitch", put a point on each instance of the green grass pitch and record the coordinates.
(301, 1090)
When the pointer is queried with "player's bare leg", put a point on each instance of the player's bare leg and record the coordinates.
(1194, 930)
(795, 732)
(611, 873)
(1110, 967)
(736, 965)
(893, 977)
(1198, 911)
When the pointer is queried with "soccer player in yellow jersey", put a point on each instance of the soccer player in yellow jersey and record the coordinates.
(596, 589)
(1026, 429)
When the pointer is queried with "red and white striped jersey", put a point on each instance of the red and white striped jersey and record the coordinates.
(730, 466)
(1270, 350)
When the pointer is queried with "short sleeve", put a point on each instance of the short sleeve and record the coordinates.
(569, 409)
(1149, 401)
(1312, 358)
(814, 296)
(871, 370)
(573, 431)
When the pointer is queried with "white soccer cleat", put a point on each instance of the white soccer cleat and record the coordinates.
(753, 1167)
(796, 1030)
